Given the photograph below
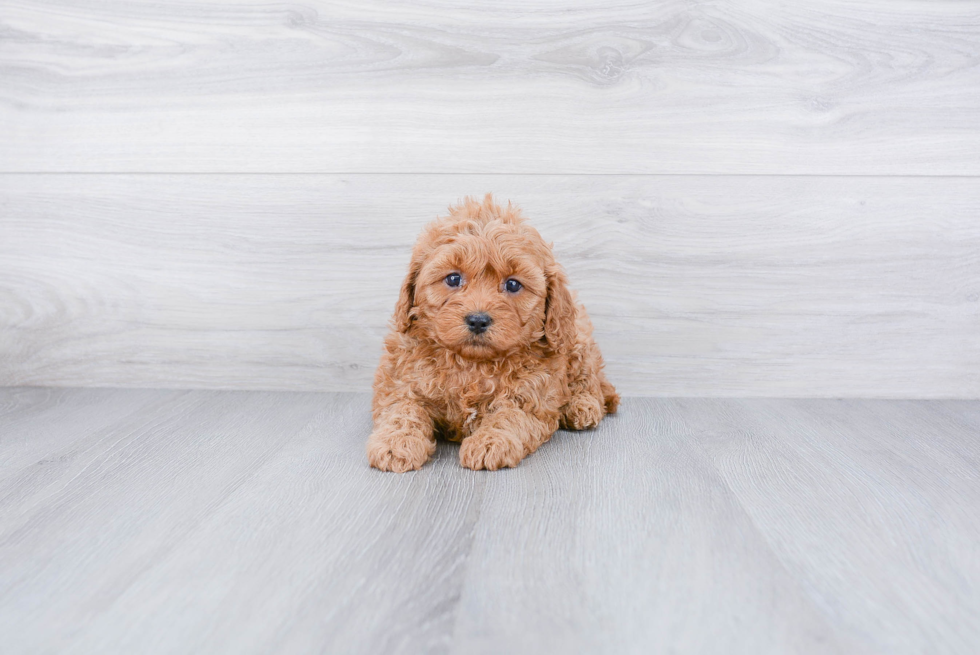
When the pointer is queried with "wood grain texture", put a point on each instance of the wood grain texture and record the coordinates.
(884, 505)
(823, 87)
(626, 539)
(252, 522)
(34, 418)
(719, 286)
(249, 522)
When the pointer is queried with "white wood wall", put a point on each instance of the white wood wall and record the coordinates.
(752, 198)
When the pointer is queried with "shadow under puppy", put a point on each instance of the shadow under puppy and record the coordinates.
(487, 346)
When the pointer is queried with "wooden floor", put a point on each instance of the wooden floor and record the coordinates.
(206, 521)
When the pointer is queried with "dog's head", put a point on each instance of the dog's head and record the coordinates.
(484, 284)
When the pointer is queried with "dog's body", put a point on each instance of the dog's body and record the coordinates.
(488, 346)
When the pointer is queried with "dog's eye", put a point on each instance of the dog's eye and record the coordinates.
(454, 279)
(513, 286)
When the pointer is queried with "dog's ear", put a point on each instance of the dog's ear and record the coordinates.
(559, 312)
(404, 315)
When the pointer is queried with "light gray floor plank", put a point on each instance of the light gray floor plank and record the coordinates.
(33, 423)
(626, 539)
(738, 286)
(75, 546)
(826, 86)
(966, 411)
(869, 503)
(326, 554)
(250, 522)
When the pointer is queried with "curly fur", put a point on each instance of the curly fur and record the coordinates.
(502, 393)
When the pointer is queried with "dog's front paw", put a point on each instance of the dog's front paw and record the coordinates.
(581, 413)
(491, 450)
(399, 451)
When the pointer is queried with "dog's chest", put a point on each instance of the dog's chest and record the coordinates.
(459, 393)
(464, 403)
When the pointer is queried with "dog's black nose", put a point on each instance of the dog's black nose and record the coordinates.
(478, 323)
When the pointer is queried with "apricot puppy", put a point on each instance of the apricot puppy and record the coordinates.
(487, 346)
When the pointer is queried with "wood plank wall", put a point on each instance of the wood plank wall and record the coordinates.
(753, 199)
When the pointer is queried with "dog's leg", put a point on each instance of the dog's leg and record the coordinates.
(402, 439)
(591, 395)
(609, 396)
(583, 411)
(504, 438)
(585, 407)
(590, 401)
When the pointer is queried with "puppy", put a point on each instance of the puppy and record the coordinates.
(487, 346)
